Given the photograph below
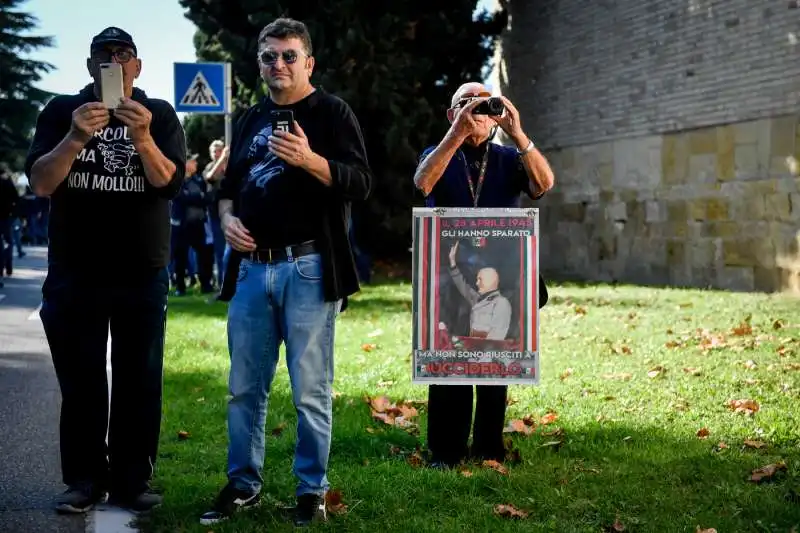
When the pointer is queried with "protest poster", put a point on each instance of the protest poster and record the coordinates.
(475, 304)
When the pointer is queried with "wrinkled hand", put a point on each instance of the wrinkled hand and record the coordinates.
(136, 117)
(509, 121)
(453, 252)
(291, 147)
(87, 119)
(465, 122)
(237, 235)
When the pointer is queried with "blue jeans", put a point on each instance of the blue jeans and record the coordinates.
(275, 303)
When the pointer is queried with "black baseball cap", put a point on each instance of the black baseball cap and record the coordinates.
(113, 35)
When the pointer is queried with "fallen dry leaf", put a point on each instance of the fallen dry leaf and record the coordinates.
(778, 324)
(766, 473)
(672, 344)
(277, 430)
(415, 459)
(693, 371)
(466, 473)
(757, 444)
(747, 407)
(742, 329)
(616, 526)
(623, 376)
(565, 374)
(656, 371)
(183, 435)
(333, 502)
(369, 346)
(509, 511)
(580, 310)
(709, 530)
(750, 364)
(497, 467)
(703, 433)
(549, 418)
(518, 426)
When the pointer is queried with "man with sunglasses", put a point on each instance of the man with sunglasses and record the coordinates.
(467, 170)
(110, 175)
(285, 205)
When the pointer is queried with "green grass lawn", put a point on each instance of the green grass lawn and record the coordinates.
(632, 375)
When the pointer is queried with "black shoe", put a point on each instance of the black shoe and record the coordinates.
(229, 501)
(79, 499)
(139, 503)
(310, 508)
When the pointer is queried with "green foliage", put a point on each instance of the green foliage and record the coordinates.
(20, 100)
(396, 63)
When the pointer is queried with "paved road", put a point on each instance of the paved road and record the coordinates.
(30, 474)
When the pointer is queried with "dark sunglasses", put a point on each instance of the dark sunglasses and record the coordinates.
(270, 57)
(122, 56)
(469, 98)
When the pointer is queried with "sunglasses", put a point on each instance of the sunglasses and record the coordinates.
(270, 57)
(464, 100)
(104, 56)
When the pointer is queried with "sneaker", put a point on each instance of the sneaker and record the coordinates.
(229, 501)
(310, 508)
(139, 503)
(79, 499)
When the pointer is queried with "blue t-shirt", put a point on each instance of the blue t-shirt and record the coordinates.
(503, 183)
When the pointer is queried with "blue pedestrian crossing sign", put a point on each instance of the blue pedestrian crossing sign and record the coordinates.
(200, 88)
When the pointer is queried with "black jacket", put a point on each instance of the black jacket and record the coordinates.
(340, 278)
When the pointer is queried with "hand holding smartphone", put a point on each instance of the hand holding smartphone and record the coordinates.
(282, 120)
(111, 84)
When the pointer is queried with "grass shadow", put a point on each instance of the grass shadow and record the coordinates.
(598, 473)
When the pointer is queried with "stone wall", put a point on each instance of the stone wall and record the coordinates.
(673, 131)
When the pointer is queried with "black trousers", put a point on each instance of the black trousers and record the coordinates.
(450, 419)
(193, 236)
(77, 311)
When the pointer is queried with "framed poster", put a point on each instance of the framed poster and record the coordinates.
(475, 304)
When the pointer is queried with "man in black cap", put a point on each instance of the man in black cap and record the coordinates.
(110, 175)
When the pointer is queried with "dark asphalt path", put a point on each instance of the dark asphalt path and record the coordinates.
(30, 474)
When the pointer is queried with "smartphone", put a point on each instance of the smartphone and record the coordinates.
(111, 84)
(282, 120)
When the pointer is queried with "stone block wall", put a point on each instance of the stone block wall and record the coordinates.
(713, 207)
(673, 131)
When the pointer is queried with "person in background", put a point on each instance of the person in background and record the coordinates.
(8, 205)
(213, 174)
(110, 175)
(189, 217)
(467, 170)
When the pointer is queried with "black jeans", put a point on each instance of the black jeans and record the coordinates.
(6, 246)
(450, 418)
(193, 236)
(77, 311)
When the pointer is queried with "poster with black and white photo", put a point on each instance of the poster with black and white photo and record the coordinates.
(475, 303)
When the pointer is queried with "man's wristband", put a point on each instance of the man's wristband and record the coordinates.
(527, 149)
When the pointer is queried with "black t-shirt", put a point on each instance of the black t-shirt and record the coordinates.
(280, 204)
(106, 214)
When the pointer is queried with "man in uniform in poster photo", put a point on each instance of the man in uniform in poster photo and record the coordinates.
(467, 170)
(490, 311)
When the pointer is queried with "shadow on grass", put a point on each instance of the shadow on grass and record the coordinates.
(644, 476)
(197, 305)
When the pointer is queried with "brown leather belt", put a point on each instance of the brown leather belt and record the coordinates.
(287, 253)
